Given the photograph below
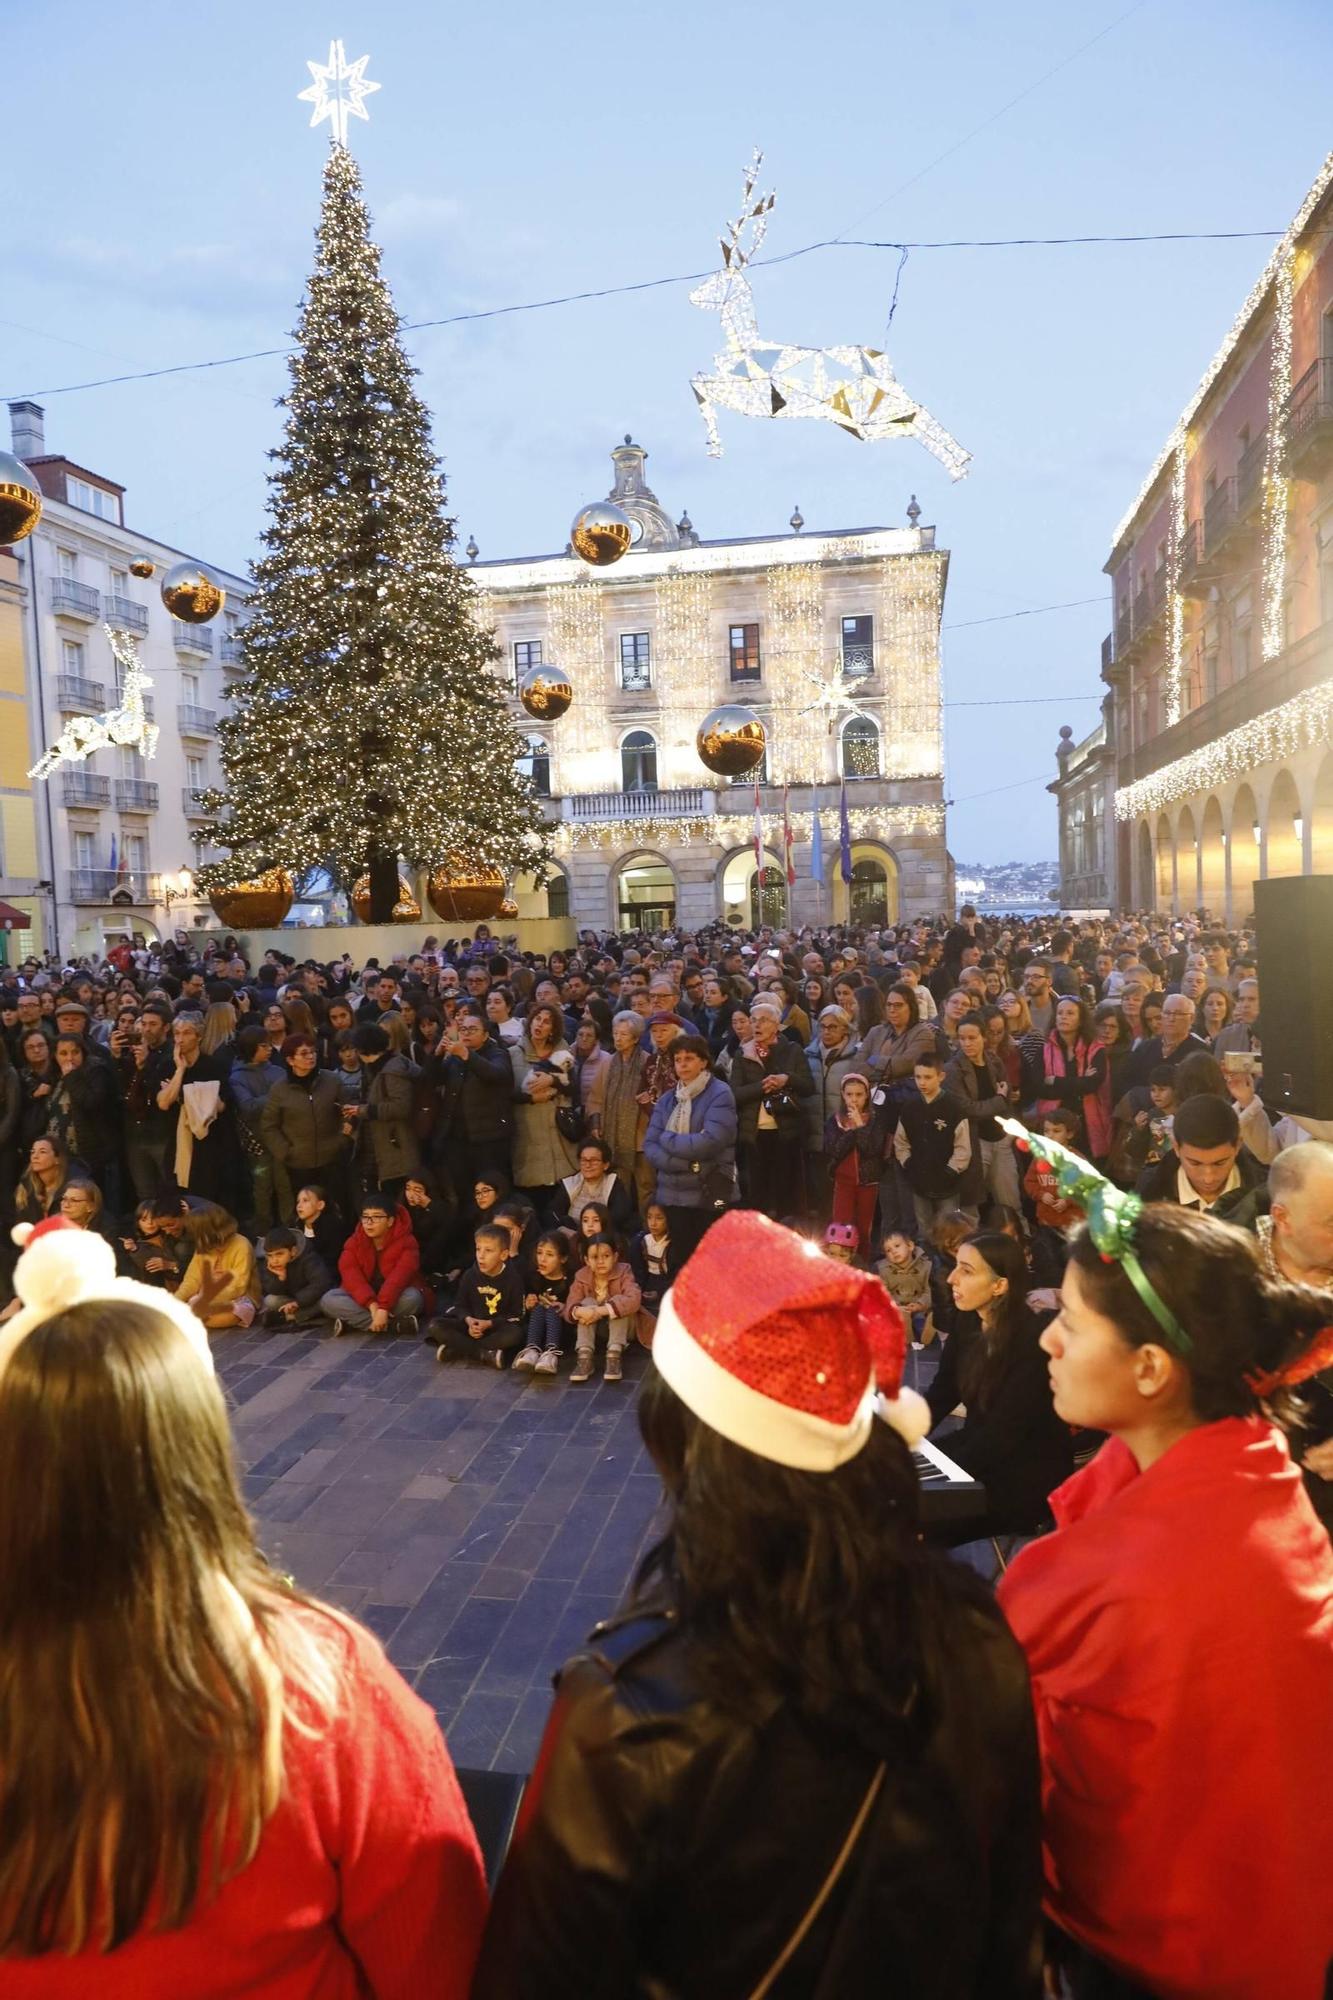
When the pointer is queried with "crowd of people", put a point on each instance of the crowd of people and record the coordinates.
(536, 1161)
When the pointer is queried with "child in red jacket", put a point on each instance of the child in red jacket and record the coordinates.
(380, 1275)
(1053, 1214)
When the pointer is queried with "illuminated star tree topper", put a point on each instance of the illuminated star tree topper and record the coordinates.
(338, 92)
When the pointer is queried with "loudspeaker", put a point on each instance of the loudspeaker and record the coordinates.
(1293, 919)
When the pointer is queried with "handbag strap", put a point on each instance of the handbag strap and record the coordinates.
(826, 1888)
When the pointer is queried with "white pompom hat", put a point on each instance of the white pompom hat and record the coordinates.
(64, 1266)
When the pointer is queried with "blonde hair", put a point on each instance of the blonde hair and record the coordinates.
(219, 1026)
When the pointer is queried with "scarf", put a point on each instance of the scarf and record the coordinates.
(679, 1121)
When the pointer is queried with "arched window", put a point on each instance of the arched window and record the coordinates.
(535, 765)
(638, 762)
(860, 748)
(869, 893)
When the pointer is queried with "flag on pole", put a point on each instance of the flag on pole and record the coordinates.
(816, 843)
(758, 836)
(113, 854)
(844, 837)
(786, 838)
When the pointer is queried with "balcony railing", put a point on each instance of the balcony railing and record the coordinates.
(192, 721)
(190, 803)
(858, 661)
(76, 600)
(1250, 473)
(685, 802)
(136, 795)
(229, 651)
(126, 615)
(1310, 412)
(129, 888)
(82, 788)
(1219, 513)
(636, 679)
(77, 696)
(191, 638)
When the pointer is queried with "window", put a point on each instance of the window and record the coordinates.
(757, 776)
(190, 689)
(69, 565)
(557, 896)
(527, 654)
(120, 583)
(638, 762)
(196, 776)
(535, 765)
(635, 662)
(91, 499)
(85, 857)
(129, 764)
(860, 748)
(71, 658)
(745, 652)
(858, 645)
(134, 852)
(1240, 651)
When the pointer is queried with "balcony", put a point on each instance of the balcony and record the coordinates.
(192, 721)
(1132, 630)
(1112, 672)
(82, 788)
(636, 679)
(190, 638)
(858, 660)
(77, 696)
(75, 600)
(229, 651)
(125, 889)
(1124, 629)
(1309, 416)
(190, 803)
(136, 795)
(685, 802)
(126, 615)
(1250, 474)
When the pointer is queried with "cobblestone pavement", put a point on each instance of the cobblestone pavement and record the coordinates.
(479, 1524)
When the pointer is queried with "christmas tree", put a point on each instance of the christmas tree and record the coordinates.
(369, 728)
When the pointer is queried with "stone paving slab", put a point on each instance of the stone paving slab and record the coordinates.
(478, 1523)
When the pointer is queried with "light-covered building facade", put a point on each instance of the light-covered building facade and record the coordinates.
(113, 831)
(1220, 660)
(788, 625)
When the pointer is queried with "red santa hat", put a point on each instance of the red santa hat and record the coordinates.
(782, 1350)
(64, 1266)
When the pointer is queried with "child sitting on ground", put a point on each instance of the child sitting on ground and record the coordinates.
(486, 1320)
(840, 1240)
(221, 1281)
(603, 1290)
(154, 1256)
(294, 1280)
(320, 1224)
(904, 1272)
(544, 1301)
(654, 1266)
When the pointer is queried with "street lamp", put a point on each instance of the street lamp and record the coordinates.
(179, 889)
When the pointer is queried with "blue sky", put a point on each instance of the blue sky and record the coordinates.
(165, 211)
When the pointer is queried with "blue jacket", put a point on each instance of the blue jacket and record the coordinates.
(709, 1144)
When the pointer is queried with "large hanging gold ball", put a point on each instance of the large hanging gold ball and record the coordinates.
(465, 892)
(192, 593)
(601, 534)
(142, 566)
(546, 693)
(20, 499)
(407, 910)
(260, 905)
(731, 741)
(508, 910)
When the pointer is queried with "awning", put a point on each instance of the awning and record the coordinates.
(12, 919)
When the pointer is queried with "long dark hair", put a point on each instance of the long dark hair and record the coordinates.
(810, 1589)
(1242, 1321)
(987, 1360)
(148, 1655)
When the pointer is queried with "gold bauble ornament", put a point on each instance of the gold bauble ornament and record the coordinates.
(465, 892)
(731, 741)
(192, 593)
(260, 905)
(546, 693)
(601, 534)
(20, 499)
(508, 910)
(143, 566)
(407, 910)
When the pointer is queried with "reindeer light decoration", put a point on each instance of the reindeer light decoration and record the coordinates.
(853, 387)
(126, 725)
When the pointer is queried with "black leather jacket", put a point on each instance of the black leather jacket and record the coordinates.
(666, 1851)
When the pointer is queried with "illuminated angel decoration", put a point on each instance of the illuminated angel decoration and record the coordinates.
(126, 725)
(853, 387)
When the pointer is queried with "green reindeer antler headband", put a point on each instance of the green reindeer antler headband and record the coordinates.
(1112, 1217)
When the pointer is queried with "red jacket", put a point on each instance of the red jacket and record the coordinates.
(1179, 1633)
(367, 1880)
(399, 1259)
(1041, 1184)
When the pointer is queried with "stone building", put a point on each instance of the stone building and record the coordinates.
(1220, 660)
(1085, 799)
(113, 843)
(831, 638)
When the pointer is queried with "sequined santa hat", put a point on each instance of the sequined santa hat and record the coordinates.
(64, 1266)
(783, 1351)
